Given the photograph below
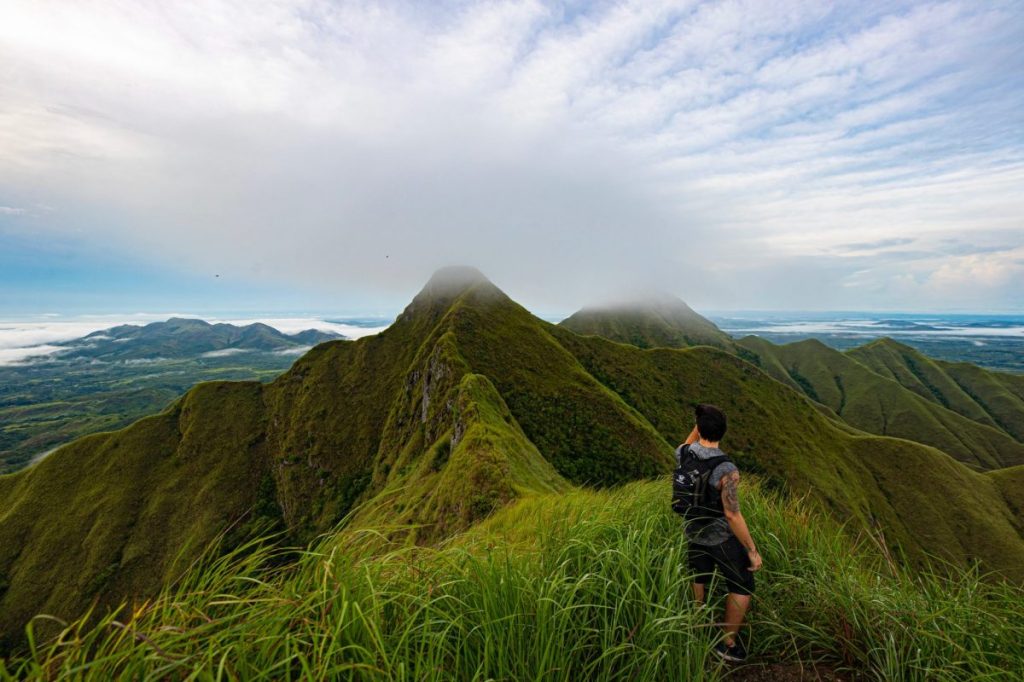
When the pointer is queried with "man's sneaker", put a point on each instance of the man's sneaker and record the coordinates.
(733, 654)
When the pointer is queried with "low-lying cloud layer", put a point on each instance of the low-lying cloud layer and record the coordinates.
(740, 154)
(22, 341)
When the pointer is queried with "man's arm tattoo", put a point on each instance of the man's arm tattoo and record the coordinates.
(730, 496)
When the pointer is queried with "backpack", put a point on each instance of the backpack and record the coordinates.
(691, 497)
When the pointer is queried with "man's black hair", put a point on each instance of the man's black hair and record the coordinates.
(710, 422)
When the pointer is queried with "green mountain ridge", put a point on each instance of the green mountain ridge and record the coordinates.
(883, 388)
(465, 404)
(987, 397)
(879, 405)
(180, 337)
(852, 473)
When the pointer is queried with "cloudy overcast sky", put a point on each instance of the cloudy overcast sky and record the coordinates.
(295, 155)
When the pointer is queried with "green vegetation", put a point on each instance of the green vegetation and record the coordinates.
(482, 464)
(576, 585)
(585, 430)
(992, 353)
(883, 406)
(853, 385)
(117, 514)
(45, 405)
(109, 379)
(992, 398)
(660, 322)
(923, 501)
(465, 405)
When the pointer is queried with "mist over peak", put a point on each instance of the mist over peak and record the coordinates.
(453, 279)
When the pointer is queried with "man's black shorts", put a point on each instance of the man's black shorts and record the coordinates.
(731, 561)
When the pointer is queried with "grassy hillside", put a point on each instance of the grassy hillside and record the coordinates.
(876, 404)
(120, 513)
(984, 397)
(664, 322)
(568, 586)
(1010, 483)
(921, 499)
(350, 421)
(586, 431)
(484, 462)
(466, 404)
(993, 398)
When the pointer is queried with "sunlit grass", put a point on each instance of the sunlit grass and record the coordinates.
(576, 586)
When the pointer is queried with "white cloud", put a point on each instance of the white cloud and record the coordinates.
(225, 352)
(21, 340)
(568, 151)
(998, 273)
(294, 325)
(873, 329)
(16, 334)
(14, 356)
(293, 351)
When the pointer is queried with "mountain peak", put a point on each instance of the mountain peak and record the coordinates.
(449, 283)
(185, 322)
(445, 286)
(453, 280)
(647, 301)
(650, 321)
(892, 344)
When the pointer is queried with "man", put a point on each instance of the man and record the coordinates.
(719, 538)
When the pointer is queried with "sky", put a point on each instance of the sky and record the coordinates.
(305, 156)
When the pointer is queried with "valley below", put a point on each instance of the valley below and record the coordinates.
(45, 405)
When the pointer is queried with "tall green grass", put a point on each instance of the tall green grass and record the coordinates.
(577, 586)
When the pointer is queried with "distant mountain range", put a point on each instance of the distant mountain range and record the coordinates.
(885, 404)
(186, 338)
(469, 402)
(110, 378)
